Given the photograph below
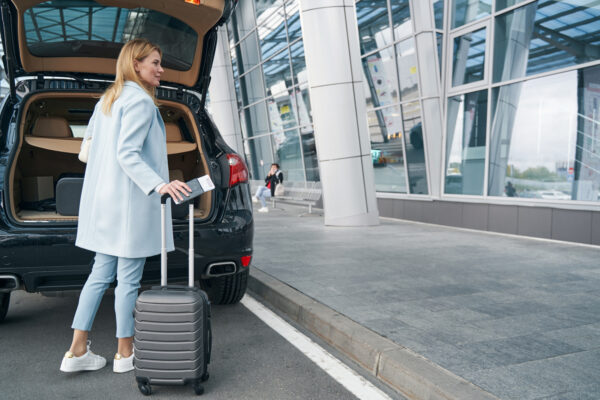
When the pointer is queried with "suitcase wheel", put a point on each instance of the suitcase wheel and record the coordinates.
(198, 388)
(145, 388)
(204, 377)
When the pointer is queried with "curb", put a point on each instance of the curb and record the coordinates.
(405, 371)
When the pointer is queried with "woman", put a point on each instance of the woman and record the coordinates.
(119, 216)
(274, 177)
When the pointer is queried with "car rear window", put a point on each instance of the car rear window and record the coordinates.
(85, 28)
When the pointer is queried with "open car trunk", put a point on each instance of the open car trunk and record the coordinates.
(51, 129)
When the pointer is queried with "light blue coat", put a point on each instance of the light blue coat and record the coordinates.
(119, 213)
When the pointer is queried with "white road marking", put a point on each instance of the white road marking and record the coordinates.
(359, 386)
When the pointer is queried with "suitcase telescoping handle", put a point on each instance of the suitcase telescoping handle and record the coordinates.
(163, 240)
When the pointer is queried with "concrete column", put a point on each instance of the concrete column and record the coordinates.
(335, 79)
(223, 104)
(430, 88)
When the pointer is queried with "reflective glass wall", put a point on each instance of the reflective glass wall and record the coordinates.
(390, 67)
(520, 83)
(523, 99)
(271, 86)
(392, 94)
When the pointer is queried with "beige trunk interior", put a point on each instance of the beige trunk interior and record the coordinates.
(46, 150)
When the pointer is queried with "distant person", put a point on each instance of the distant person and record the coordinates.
(274, 177)
(510, 190)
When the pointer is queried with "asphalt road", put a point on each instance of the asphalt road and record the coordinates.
(249, 360)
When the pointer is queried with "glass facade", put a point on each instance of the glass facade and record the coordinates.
(271, 86)
(531, 128)
(520, 84)
(389, 61)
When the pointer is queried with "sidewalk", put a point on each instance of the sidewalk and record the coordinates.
(516, 317)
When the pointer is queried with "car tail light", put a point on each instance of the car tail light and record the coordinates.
(246, 260)
(195, 2)
(238, 172)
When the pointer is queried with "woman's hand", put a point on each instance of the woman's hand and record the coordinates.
(177, 190)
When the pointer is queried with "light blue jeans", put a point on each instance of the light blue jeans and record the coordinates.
(262, 193)
(128, 272)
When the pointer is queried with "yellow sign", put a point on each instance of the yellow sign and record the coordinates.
(284, 109)
(413, 70)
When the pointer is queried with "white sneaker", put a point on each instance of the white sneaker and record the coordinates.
(87, 362)
(122, 364)
(263, 209)
(254, 199)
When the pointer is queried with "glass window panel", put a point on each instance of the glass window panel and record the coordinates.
(373, 24)
(546, 138)
(271, 34)
(440, 43)
(230, 28)
(407, 69)
(282, 111)
(302, 100)
(243, 18)
(465, 11)
(544, 36)
(380, 77)
(264, 8)
(292, 10)
(236, 75)
(238, 93)
(259, 154)
(387, 153)
(401, 18)
(255, 119)
(87, 28)
(438, 13)
(413, 143)
(502, 4)
(469, 57)
(277, 72)
(309, 148)
(465, 143)
(286, 148)
(249, 55)
(233, 51)
(253, 86)
(299, 63)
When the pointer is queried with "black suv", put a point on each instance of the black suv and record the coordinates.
(59, 57)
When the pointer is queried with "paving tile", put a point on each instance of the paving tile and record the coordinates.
(504, 383)
(551, 376)
(587, 392)
(586, 337)
(525, 324)
(519, 349)
(499, 310)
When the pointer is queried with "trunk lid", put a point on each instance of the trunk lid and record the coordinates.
(82, 38)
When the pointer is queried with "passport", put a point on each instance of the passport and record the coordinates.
(199, 186)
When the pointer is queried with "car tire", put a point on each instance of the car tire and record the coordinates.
(226, 289)
(4, 301)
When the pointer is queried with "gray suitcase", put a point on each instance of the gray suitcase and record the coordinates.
(173, 339)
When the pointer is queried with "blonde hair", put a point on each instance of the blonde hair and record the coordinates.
(136, 49)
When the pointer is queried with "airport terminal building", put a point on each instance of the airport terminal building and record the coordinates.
(482, 114)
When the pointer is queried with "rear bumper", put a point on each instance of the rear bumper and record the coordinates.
(50, 262)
